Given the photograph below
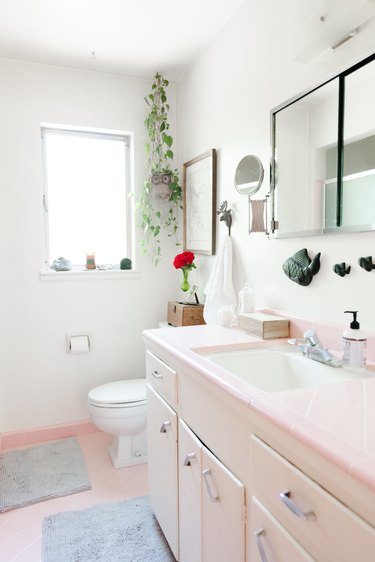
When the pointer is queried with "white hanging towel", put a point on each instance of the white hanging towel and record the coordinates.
(219, 290)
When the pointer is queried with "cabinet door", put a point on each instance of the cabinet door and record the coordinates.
(189, 461)
(162, 465)
(223, 512)
(270, 542)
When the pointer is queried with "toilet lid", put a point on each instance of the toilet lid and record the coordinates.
(119, 392)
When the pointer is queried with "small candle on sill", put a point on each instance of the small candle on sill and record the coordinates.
(90, 260)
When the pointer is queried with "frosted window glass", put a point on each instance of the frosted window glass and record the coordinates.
(87, 184)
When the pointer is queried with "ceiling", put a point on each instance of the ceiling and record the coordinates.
(132, 37)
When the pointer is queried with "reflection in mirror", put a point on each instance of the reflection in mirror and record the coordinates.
(304, 131)
(353, 204)
(324, 157)
(249, 175)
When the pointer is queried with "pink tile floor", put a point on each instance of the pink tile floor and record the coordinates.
(21, 529)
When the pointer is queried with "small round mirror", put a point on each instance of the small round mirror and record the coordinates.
(249, 175)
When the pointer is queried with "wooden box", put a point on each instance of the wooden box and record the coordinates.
(265, 326)
(180, 314)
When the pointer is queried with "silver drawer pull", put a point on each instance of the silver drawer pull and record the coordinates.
(164, 426)
(306, 515)
(189, 458)
(258, 537)
(156, 374)
(212, 492)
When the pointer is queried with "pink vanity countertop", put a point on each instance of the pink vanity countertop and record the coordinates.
(337, 420)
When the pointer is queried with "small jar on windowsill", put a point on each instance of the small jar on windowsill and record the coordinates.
(90, 260)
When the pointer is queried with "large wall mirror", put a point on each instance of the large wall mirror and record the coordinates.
(323, 157)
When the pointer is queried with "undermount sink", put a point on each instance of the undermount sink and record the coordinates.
(280, 368)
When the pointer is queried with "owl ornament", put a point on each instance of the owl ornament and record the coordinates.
(160, 185)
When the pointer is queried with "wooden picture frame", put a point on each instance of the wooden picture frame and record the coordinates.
(199, 181)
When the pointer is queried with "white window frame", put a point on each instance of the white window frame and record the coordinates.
(129, 248)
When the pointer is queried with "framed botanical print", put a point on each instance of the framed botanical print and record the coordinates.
(199, 203)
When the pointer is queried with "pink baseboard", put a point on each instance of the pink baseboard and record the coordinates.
(50, 433)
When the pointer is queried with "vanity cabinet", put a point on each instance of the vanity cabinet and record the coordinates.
(198, 502)
(270, 542)
(162, 461)
(212, 505)
(228, 484)
(321, 524)
(190, 491)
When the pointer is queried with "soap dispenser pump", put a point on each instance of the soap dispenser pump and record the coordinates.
(354, 346)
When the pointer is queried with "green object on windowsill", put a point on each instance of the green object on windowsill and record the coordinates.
(126, 263)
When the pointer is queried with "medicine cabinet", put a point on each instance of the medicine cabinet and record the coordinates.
(323, 157)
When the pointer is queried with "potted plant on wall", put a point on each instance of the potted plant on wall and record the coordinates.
(161, 197)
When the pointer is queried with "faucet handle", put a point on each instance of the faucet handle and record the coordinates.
(311, 337)
(296, 341)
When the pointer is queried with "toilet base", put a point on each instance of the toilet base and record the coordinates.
(128, 451)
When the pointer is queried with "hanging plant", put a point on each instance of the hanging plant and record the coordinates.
(161, 197)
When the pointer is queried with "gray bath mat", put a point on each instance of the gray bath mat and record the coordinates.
(124, 531)
(41, 473)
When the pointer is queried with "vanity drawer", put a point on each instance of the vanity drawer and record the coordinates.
(326, 528)
(270, 541)
(161, 377)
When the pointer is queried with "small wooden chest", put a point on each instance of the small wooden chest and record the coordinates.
(180, 314)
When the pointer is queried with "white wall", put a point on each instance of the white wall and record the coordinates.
(40, 383)
(224, 102)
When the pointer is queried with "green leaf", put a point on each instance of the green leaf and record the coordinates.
(169, 154)
(168, 140)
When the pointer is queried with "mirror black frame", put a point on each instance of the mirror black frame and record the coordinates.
(340, 148)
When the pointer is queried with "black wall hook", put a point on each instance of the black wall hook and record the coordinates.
(366, 263)
(341, 269)
(226, 215)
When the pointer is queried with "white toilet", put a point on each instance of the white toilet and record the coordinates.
(119, 408)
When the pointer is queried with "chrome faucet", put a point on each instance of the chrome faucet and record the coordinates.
(312, 348)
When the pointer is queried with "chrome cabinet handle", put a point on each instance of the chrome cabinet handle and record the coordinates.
(258, 537)
(189, 458)
(298, 512)
(164, 426)
(212, 492)
(156, 374)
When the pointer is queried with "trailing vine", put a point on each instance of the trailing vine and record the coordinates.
(158, 215)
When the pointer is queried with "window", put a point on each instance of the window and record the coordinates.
(87, 183)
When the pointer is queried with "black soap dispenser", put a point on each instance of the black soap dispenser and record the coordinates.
(354, 343)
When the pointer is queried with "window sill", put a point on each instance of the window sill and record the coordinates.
(87, 275)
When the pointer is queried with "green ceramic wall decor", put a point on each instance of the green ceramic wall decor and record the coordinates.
(300, 268)
(366, 263)
(341, 269)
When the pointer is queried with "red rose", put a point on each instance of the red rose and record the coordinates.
(183, 260)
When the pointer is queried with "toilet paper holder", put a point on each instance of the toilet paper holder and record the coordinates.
(79, 342)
